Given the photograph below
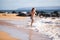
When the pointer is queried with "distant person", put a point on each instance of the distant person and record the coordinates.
(33, 12)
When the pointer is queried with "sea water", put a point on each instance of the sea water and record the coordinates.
(48, 26)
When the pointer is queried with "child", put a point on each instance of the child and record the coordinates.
(33, 11)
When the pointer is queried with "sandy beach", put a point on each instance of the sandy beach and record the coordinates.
(6, 36)
(17, 28)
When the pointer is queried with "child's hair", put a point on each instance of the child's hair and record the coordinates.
(32, 9)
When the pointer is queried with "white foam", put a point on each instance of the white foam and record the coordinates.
(48, 27)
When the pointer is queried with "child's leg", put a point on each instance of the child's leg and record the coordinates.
(32, 22)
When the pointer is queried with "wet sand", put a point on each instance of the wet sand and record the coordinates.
(35, 35)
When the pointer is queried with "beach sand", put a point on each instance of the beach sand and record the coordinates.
(9, 22)
(11, 16)
(6, 36)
